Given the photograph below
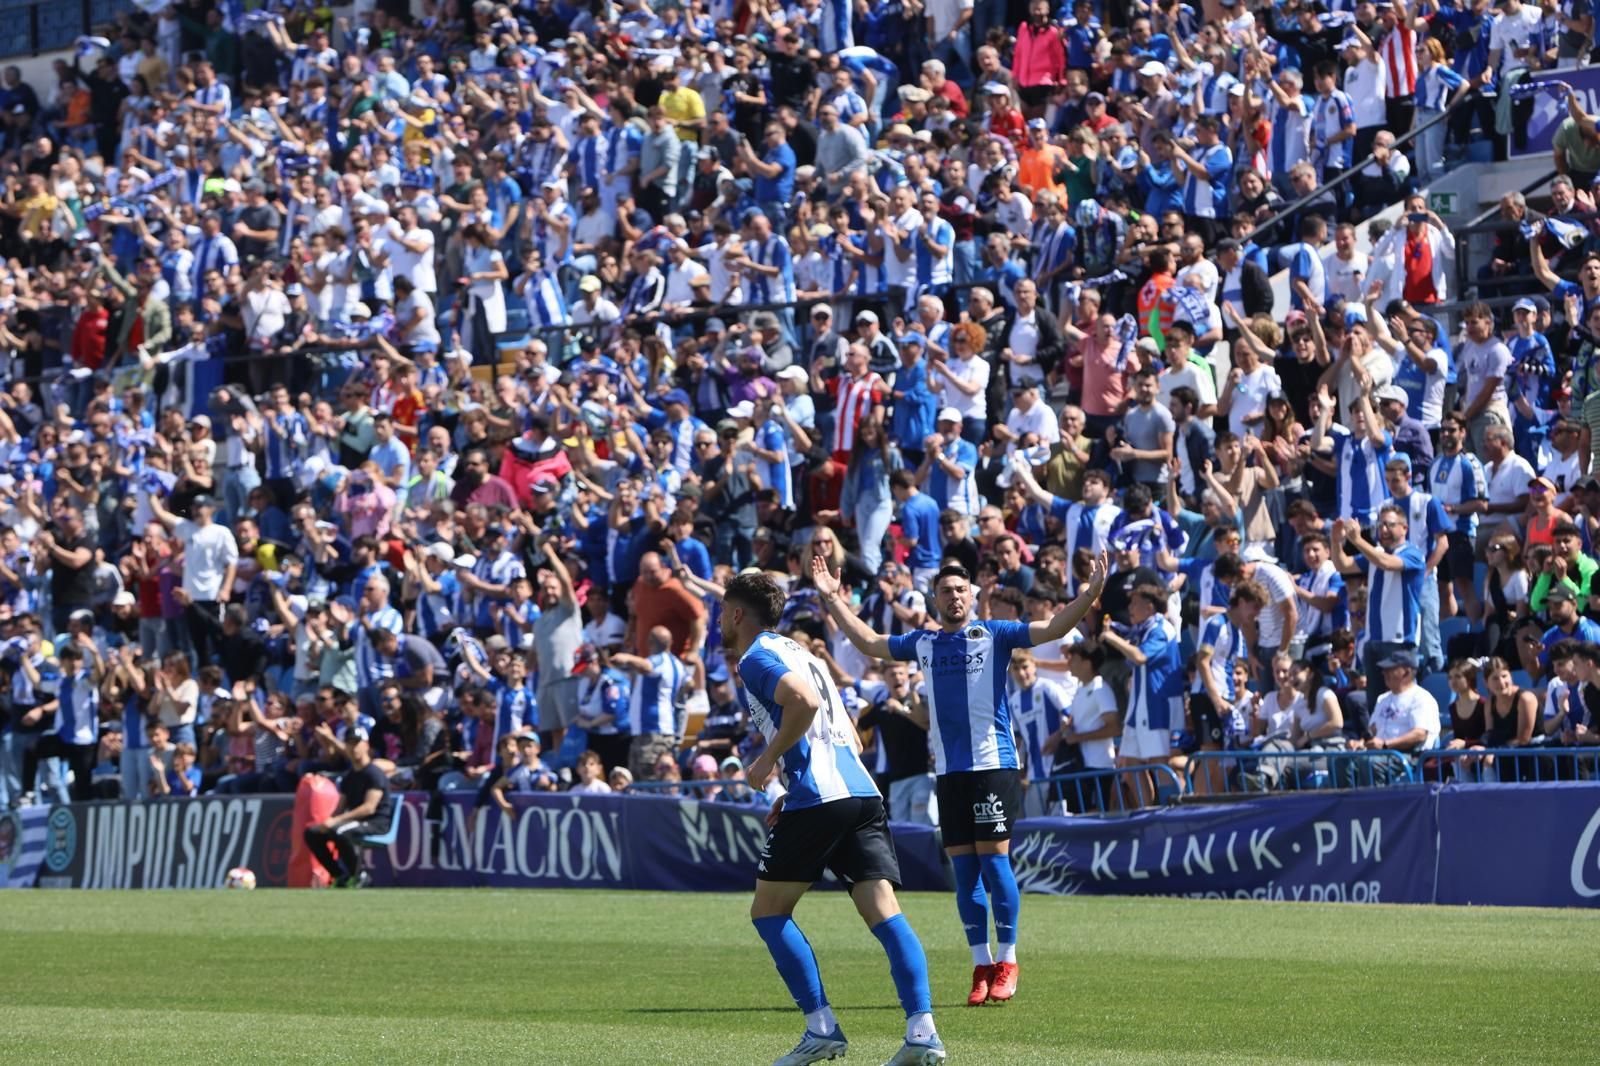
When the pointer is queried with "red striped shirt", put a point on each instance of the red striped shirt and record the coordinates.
(857, 396)
(1399, 51)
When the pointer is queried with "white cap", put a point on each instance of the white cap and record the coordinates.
(948, 414)
(359, 310)
(466, 562)
(1153, 69)
(442, 552)
(792, 373)
(742, 409)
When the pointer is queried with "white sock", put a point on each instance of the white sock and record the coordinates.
(821, 1021)
(1008, 953)
(919, 1027)
(981, 955)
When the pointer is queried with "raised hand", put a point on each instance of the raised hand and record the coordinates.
(827, 584)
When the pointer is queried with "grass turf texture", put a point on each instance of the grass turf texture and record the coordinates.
(612, 977)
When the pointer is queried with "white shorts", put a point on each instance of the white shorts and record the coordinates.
(1140, 743)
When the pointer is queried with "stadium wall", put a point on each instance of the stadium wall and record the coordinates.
(1502, 845)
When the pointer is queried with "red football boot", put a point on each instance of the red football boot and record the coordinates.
(1003, 981)
(980, 986)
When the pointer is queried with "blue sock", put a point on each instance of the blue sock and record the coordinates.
(907, 963)
(972, 903)
(1002, 885)
(797, 963)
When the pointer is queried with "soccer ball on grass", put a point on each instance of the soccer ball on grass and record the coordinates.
(240, 877)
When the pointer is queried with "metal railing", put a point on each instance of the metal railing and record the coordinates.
(1533, 764)
(1349, 173)
(1122, 790)
(1486, 221)
(699, 790)
(1219, 773)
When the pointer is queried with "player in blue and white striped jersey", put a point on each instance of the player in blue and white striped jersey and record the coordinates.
(286, 440)
(979, 785)
(828, 815)
(1359, 458)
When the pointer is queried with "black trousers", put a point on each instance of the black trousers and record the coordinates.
(339, 849)
(1400, 112)
(78, 757)
(204, 620)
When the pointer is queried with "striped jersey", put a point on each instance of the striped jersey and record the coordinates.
(856, 397)
(288, 436)
(1037, 711)
(1458, 479)
(653, 703)
(1361, 486)
(514, 707)
(370, 666)
(1399, 52)
(78, 714)
(1426, 520)
(822, 766)
(1315, 623)
(1394, 597)
(439, 612)
(965, 672)
(1227, 643)
(1157, 692)
(1208, 197)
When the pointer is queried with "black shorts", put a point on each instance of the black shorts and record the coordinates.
(1458, 560)
(978, 805)
(1206, 723)
(848, 836)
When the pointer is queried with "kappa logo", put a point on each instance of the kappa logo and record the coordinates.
(991, 810)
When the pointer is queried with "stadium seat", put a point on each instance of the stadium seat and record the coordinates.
(1438, 686)
(387, 837)
(1452, 627)
(455, 781)
(1522, 679)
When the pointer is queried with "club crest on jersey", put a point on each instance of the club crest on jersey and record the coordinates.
(991, 810)
(976, 633)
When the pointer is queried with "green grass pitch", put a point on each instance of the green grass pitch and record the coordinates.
(592, 978)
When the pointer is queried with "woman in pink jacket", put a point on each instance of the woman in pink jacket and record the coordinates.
(1039, 63)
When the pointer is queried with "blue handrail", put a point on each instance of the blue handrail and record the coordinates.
(1121, 790)
(1250, 770)
(1531, 764)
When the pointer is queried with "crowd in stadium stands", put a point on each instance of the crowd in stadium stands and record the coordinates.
(414, 377)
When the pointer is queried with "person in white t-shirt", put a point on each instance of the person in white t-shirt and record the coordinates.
(1185, 368)
(1344, 266)
(1029, 414)
(410, 249)
(1405, 719)
(1093, 720)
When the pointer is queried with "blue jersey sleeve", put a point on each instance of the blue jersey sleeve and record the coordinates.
(903, 648)
(1008, 637)
(761, 670)
(1059, 508)
(1211, 632)
(1411, 556)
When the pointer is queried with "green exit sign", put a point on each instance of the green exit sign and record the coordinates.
(1442, 203)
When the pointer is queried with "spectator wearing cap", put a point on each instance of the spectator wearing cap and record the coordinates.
(1405, 718)
(1561, 608)
(1543, 517)
(1411, 438)
(949, 465)
(363, 810)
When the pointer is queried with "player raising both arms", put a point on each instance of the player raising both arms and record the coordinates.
(979, 784)
(831, 816)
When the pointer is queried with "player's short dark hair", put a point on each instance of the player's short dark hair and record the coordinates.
(759, 594)
(1153, 594)
(952, 570)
